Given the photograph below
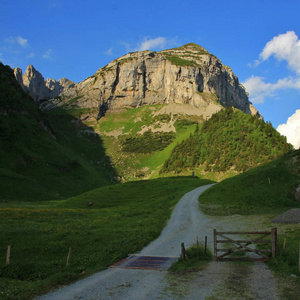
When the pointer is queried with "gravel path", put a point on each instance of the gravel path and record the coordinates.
(218, 279)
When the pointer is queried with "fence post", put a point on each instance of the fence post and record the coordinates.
(8, 255)
(198, 247)
(183, 254)
(299, 257)
(205, 249)
(215, 245)
(274, 242)
(69, 256)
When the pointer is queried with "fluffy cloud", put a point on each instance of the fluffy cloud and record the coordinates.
(292, 129)
(148, 44)
(259, 89)
(284, 47)
(21, 41)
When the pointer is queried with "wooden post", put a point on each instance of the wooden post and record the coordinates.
(299, 257)
(198, 247)
(215, 245)
(8, 255)
(269, 180)
(284, 243)
(69, 256)
(183, 254)
(274, 242)
(205, 249)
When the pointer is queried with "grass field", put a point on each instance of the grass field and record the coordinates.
(266, 191)
(122, 220)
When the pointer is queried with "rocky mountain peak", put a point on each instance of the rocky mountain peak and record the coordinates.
(33, 82)
(185, 75)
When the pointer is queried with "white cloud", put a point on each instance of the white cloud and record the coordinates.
(292, 129)
(258, 89)
(147, 44)
(21, 41)
(48, 54)
(17, 40)
(284, 47)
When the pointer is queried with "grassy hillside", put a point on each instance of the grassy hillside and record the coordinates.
(122, 220)
(230, 141)
(264, 192)
(266, 189)
(43, 156)
(139, 140)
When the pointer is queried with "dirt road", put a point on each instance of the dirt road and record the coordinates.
(218, 280)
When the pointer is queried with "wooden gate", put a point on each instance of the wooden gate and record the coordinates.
(242, 245)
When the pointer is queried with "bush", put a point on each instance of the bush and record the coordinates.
(148, 142)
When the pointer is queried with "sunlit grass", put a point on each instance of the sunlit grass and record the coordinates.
(122, 220)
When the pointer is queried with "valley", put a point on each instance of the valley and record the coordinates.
(100, 165)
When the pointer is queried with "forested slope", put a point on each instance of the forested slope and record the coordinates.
(231, 139)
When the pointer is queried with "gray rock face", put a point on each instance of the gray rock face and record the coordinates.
(188, 74)
(33, 82)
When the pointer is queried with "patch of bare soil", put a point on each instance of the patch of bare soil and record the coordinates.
(115, 133)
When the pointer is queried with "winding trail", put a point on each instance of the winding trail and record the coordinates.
(186, 223)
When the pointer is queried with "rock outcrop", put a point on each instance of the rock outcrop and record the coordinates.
(188, 74)
(33, 82)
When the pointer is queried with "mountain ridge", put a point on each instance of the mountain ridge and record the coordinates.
(188, 74)
(33, 82)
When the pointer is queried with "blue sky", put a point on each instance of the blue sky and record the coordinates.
(259, 40)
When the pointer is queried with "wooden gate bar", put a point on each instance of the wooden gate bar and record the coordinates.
(245, 232)
(245, 241)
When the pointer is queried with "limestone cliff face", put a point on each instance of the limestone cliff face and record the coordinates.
(33, 82)
(188, 74)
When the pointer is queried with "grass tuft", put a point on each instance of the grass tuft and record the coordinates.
(195, 260)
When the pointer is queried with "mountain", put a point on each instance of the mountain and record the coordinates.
(184, 75)
(43, 155)
(141, 105)
(34, 83)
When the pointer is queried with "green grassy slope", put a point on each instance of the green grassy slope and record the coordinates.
(265, 189)
(264, 192)
(134, 163)
(42, 156)
(122, 220)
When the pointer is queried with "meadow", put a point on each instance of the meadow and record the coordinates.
(122, 220)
